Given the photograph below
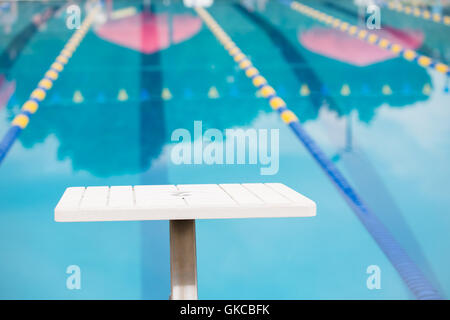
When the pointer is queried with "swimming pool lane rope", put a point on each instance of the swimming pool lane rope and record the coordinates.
(408, 270)
(370, 37)
(418, 12)
(20, 121)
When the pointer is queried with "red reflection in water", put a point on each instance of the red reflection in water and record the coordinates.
(146, 32)
(346, 48)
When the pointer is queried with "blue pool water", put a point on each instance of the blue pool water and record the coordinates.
(394, 149)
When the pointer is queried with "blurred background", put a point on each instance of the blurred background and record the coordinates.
(146, 68)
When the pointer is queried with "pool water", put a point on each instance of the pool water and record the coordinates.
(108, 120)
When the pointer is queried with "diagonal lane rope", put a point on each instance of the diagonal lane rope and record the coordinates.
(21, 120)
(411, 274)
(370, 37)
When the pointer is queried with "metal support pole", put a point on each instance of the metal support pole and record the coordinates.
(183, 260)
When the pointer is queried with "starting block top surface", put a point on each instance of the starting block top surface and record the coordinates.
(177, 202)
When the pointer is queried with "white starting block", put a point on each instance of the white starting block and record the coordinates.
(182, 204)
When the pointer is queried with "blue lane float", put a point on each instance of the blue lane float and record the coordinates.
(411, 274)
(20, 121)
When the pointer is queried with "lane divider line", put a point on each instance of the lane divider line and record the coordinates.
(370, 37)
(408, 270)
(20, 121)
(418, 12)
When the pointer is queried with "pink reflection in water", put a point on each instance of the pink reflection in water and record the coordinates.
(7, 89)
(148, 33)
(346, 48)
